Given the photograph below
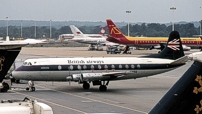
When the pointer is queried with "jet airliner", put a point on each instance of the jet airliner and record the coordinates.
(94, 39)
(116, 36)
(64, 37)
(101, 70)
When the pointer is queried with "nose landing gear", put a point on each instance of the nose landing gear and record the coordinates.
(30, 86)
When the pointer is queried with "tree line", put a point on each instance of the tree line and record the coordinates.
(149, 30)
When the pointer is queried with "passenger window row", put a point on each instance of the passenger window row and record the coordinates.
(101, 67)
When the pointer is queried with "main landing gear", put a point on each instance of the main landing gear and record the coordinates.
(103, 85)
(30, 86)
(126, 50)
(86, 85)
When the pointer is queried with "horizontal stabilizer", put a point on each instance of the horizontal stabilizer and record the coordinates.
(181, 60)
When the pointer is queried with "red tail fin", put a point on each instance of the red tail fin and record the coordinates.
(113, 30)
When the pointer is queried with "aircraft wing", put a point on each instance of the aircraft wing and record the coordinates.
(12, 45)
(115, 74)
(96, 76)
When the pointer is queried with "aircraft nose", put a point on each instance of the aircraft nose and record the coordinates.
(13, 74)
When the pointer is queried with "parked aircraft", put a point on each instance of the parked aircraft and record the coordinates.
(185, 96)
(101, 70)
(8, 52)
(94, 39)
(117, 36)
(28, 41)
(32, 41)
(66, 37)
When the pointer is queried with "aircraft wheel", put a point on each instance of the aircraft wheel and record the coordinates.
(27, 88)
(17, 81)
(86, 85)
(5, 87)
(4, 90)
(103, 88)
(33, 89)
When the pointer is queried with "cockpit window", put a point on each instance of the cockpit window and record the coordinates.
(27, 63)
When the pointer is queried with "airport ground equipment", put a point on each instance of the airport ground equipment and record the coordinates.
(25, 106)
(113, 50)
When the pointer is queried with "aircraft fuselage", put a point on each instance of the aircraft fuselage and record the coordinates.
(90, 69)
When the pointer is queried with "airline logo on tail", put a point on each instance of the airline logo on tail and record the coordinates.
(197, 90)
(78, 33)
(174, 44)
(2, 58)
(199, 80)
(114, 30)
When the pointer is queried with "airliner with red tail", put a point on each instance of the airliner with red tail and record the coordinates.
(117, 36)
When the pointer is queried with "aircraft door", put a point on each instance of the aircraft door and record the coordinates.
(136, 41)
(198, 42)
(45, 72)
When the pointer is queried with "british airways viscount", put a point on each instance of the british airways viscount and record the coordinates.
(101, 70)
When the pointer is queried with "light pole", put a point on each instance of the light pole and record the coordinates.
(200, 24)
(50, 29)
(6, 26)
(35, 30)
(128, 12)
(21, 29)
(173, 8)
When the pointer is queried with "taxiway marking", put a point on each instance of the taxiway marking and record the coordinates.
(95, 100)
(50, 102)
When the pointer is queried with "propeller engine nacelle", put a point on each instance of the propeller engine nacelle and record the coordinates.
(87, 77)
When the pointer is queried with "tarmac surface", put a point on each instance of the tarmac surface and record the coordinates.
(134, 96)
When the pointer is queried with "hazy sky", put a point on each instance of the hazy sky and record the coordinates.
(157, 11)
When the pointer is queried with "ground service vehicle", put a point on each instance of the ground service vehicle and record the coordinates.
(25, 106)
(113, 50)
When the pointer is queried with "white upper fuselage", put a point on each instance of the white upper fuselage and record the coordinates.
(90, 40)
(67, 37)
(96, 60)
(28, 41)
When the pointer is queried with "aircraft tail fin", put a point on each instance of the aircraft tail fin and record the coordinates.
(113, 30)
(7, 57)
(173, 48)
(7, 38)
(76, 31)
(102, 31)
(185, 96)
